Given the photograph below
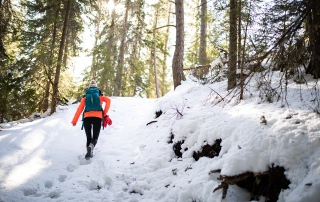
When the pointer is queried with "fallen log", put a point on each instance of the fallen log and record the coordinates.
(268, 184)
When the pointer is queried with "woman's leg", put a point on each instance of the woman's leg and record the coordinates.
(96, 122)
(93, 123)
(87, 128)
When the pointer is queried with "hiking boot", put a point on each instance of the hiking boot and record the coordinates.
(92, 147)
(89, 153)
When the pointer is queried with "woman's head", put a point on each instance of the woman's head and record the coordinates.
(93, 83)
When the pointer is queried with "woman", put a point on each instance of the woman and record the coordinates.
(92, 115)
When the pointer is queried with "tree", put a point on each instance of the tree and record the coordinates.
(5, 16)
(59, 62)
(294, 36)
(5, 74)
(54, 13)
(97, 22)
(165, 53)
(105, 51)
(313, 33)
(232, 63)
(203, 60)
(154, 52)
(177, 62)
(13, 72)
(120, 65)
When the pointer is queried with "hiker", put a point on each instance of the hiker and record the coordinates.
(93, 115)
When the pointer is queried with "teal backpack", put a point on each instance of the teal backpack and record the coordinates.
(92, 101)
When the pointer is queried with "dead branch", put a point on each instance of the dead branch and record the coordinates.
(198, 67)
(217, 94)
(177, 112)
(151, 122)
(164, 26)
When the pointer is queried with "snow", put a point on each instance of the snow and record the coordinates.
(43, 159)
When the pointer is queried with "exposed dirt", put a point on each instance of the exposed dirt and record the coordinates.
(268, 184)
(208, 150)
(158, 114)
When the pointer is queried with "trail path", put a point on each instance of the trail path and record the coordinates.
(46, 157)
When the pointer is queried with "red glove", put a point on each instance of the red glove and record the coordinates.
(106, 121)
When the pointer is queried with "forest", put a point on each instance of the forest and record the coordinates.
(148, 47)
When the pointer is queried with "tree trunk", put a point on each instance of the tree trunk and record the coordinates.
(239, 7)
(163, 75)
(149, 91)
(177, 62)
(313, 29)
(203, 60)
(65, 52)
(59, 62)
(242, 78)
(232, 63)
(45, 105)
(109, 59)
(96, 38)
(155, 53)
(4, 107)
(118, 83)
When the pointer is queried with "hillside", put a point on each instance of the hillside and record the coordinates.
(135, 160)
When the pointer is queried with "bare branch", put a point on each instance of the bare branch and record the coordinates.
(164, 26)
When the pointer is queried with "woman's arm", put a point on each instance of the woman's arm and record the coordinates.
(78, 112)
(106, 100)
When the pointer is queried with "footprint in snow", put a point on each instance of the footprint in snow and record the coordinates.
(71, 167)
(62, 178)
(54, 194)
(48, 184)
(29, 191)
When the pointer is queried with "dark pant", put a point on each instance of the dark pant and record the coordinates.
(93, 123)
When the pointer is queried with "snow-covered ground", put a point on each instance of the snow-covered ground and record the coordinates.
(43, 160)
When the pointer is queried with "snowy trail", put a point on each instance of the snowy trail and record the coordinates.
(57, 159)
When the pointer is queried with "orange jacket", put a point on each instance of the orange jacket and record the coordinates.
(98, 114)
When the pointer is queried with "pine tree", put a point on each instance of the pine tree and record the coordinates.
(177, 62)
(60, 55)
(232, 64)
(203, 60)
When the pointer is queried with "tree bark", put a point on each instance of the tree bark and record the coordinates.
(118, 83)
(203, 60)
(177, 62)
(163, 75)
(313, 29)
(242, 78)
(239, 7)
(66, 51)
(96, 38)
(154, 53)
(45, 105)
(109, 59)
(232, 64)
(59, 62)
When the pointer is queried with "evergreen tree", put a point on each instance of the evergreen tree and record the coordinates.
(40, 41)
(177, 62)
(15, 97)
(232, 63)
(203, 60)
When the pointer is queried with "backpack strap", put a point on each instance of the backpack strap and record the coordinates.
(82, 121)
